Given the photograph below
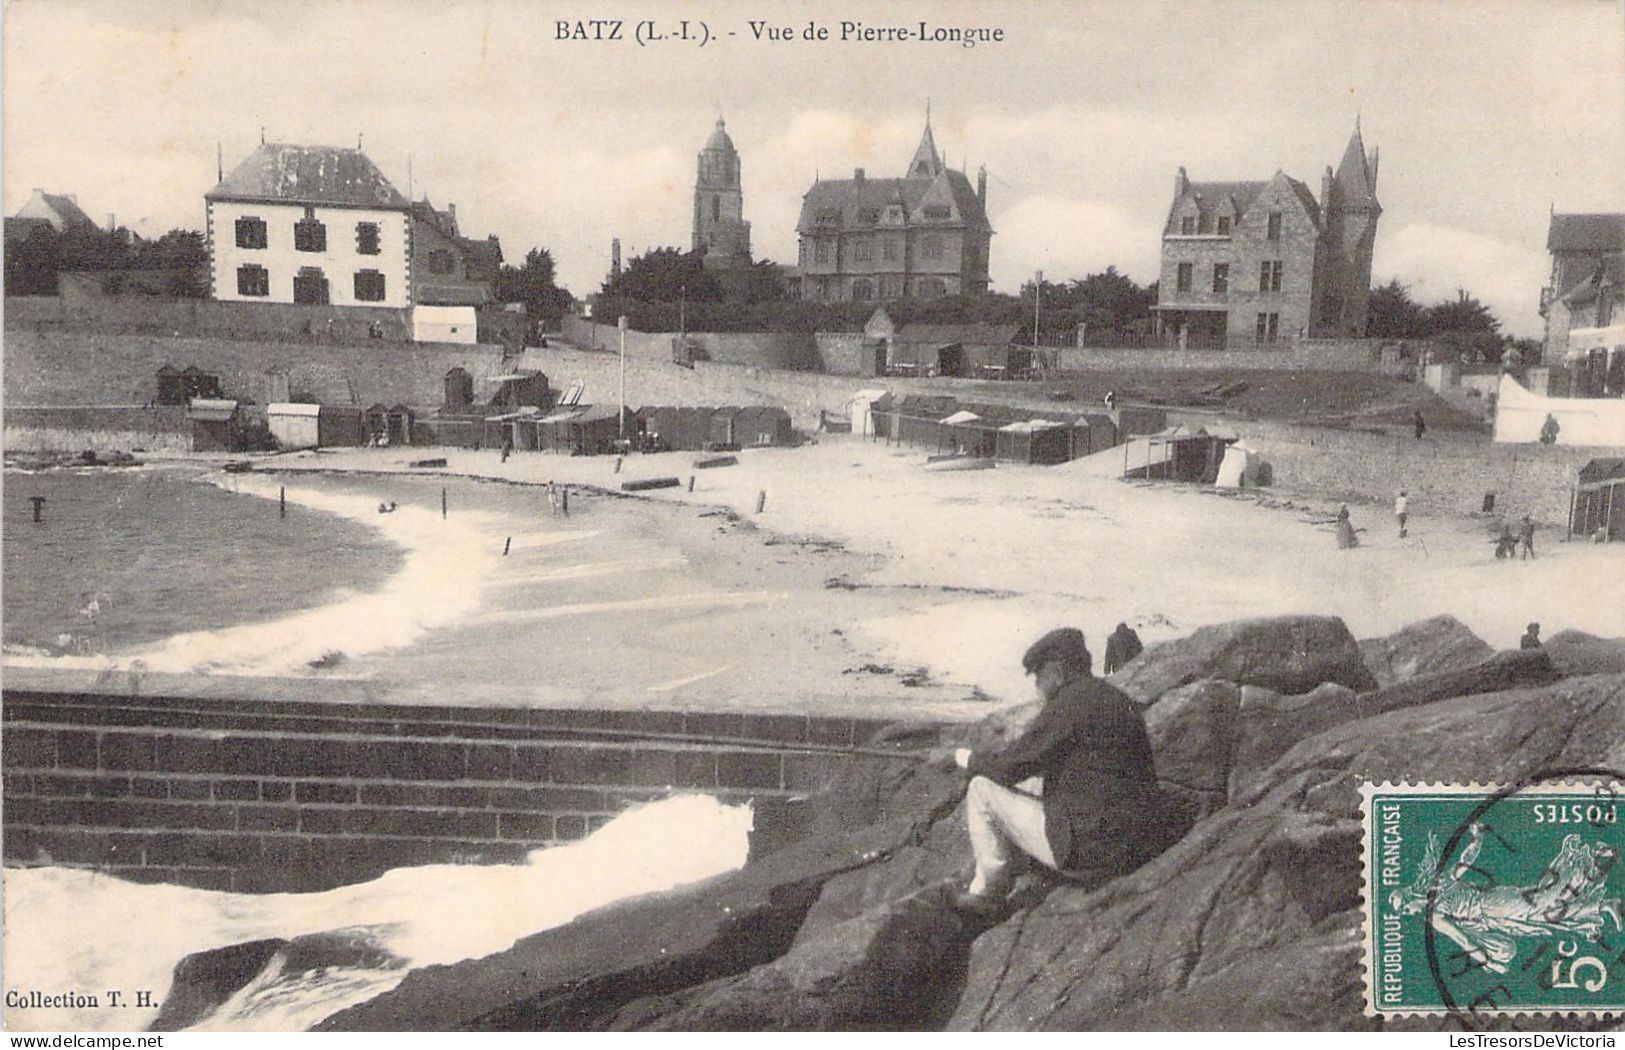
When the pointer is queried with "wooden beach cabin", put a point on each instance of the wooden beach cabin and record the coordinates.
(1599, 500)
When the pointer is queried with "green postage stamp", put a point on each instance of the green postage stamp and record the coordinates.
(1492, 900)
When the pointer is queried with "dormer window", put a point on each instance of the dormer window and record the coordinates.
(1224, 226)
(869, 216)
(1187, 225)
(894, 214)
(938, 211)
(1275, 226)
(1205, 224)
(829, 217)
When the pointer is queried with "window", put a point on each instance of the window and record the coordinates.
(864, 250)
(310, 235)
(1275, 226)
(310, 285)
(1269, 275)
(894, 214)
(931, 247)
(439, 261)
(1224, 226)
(806, 252)
(1204, 224)
(889, 249)
(366, 238)
(821, 251)
(1187, 225)
(1185, 270)
(369, 286)
(891, 286)
(1268, 327)
(869, 216)
(829, 217)
(253, 280)
(716, 208)
(931, 288)
(1221, 278)
(938, 211)
(862, 290)
(250, 233)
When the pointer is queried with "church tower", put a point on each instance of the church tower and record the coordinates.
(720, 228)
(1350, 201)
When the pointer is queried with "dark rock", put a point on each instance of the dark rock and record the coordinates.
(1268, 724)
(204, 980)
(1426, 647)
(1193, 737)
(1508, 669)
(1291, 654)
(1577, 653)
(878, 970)
(577, 976)
(1251, 920)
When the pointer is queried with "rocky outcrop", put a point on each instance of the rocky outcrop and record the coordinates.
(1426, 647)
(1290, 654)
(1576, 653)
(1249, 921)
(204, 980)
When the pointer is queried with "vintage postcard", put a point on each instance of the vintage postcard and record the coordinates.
(791, 515)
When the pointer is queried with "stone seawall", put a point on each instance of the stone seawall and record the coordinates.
(107, 428)
(295, 796)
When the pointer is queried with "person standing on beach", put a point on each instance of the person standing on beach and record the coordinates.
(1122, 646)
(1346, 539)
(1419, 425)
(1526, 536)
(1531, 638)
(1402, 511)
(1100, 813)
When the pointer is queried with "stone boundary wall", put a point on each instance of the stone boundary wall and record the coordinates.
(103, 428)
(1315, 355)
(234, 320)
(262, 796)
(791, 351)
(1446, 475)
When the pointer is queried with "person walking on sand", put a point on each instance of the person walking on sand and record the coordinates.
(1526, 537)
(1419, 424)
(1531, 638)
(1100, 814)
(1402, 511)
(1122, 645)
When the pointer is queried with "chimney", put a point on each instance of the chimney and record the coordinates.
(451, 209)
(857, 174)
(981, 185)
(615, 257)
(1182, 183)
(111, 225)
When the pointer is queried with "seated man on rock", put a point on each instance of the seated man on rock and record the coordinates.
(1100, 814)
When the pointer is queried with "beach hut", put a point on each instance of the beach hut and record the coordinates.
(760, 425)
(459, 389)
(722, 426)
(196, 383)
(1599, 499)
(170, 389)
(1033, 441)
(859, 406)
(213, 424)
(293, 424)
(341, 426)
(377, 424)
(521, 387)
(400, 425)
(594, 429)
(1241, 467)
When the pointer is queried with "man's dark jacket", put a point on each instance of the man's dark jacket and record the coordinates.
(1103, 813)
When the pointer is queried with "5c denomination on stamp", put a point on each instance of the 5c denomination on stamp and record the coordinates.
(1484, 899)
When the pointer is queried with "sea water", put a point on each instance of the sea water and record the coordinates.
(70, 929)
(124, 558)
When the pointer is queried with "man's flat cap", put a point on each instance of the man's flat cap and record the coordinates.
(1064, 643)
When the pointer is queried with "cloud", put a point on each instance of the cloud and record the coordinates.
(1436, 260)
(1071, 237)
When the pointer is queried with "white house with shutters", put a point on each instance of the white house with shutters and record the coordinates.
(310, 224)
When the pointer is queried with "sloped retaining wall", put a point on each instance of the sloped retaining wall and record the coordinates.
(296, 796)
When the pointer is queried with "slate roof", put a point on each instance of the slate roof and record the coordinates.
(1242, 193)
(1595, 232)
(720, 139)
(1610, 271)
(1355, 175)
(309, 175)
(861, 202)
(68, 209)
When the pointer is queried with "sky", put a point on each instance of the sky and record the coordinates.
(1487, 116)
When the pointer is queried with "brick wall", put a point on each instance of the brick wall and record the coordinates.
(284, 796)
(1441, 475)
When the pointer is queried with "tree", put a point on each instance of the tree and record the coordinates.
(535, 285)
(664, 275)
(1391, 313)
(1462, 314)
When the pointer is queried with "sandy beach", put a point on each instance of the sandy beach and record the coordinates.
(869, 584)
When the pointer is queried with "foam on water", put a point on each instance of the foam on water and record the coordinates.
(69, 929)
(446, 569)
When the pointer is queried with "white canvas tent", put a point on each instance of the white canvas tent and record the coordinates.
(1240, 469)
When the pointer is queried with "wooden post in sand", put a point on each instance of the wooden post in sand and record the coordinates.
(761, 500)
(442, 504)
(39, 503)
(691, 483)
(564, 502)
(505, 545)
(282, 501)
